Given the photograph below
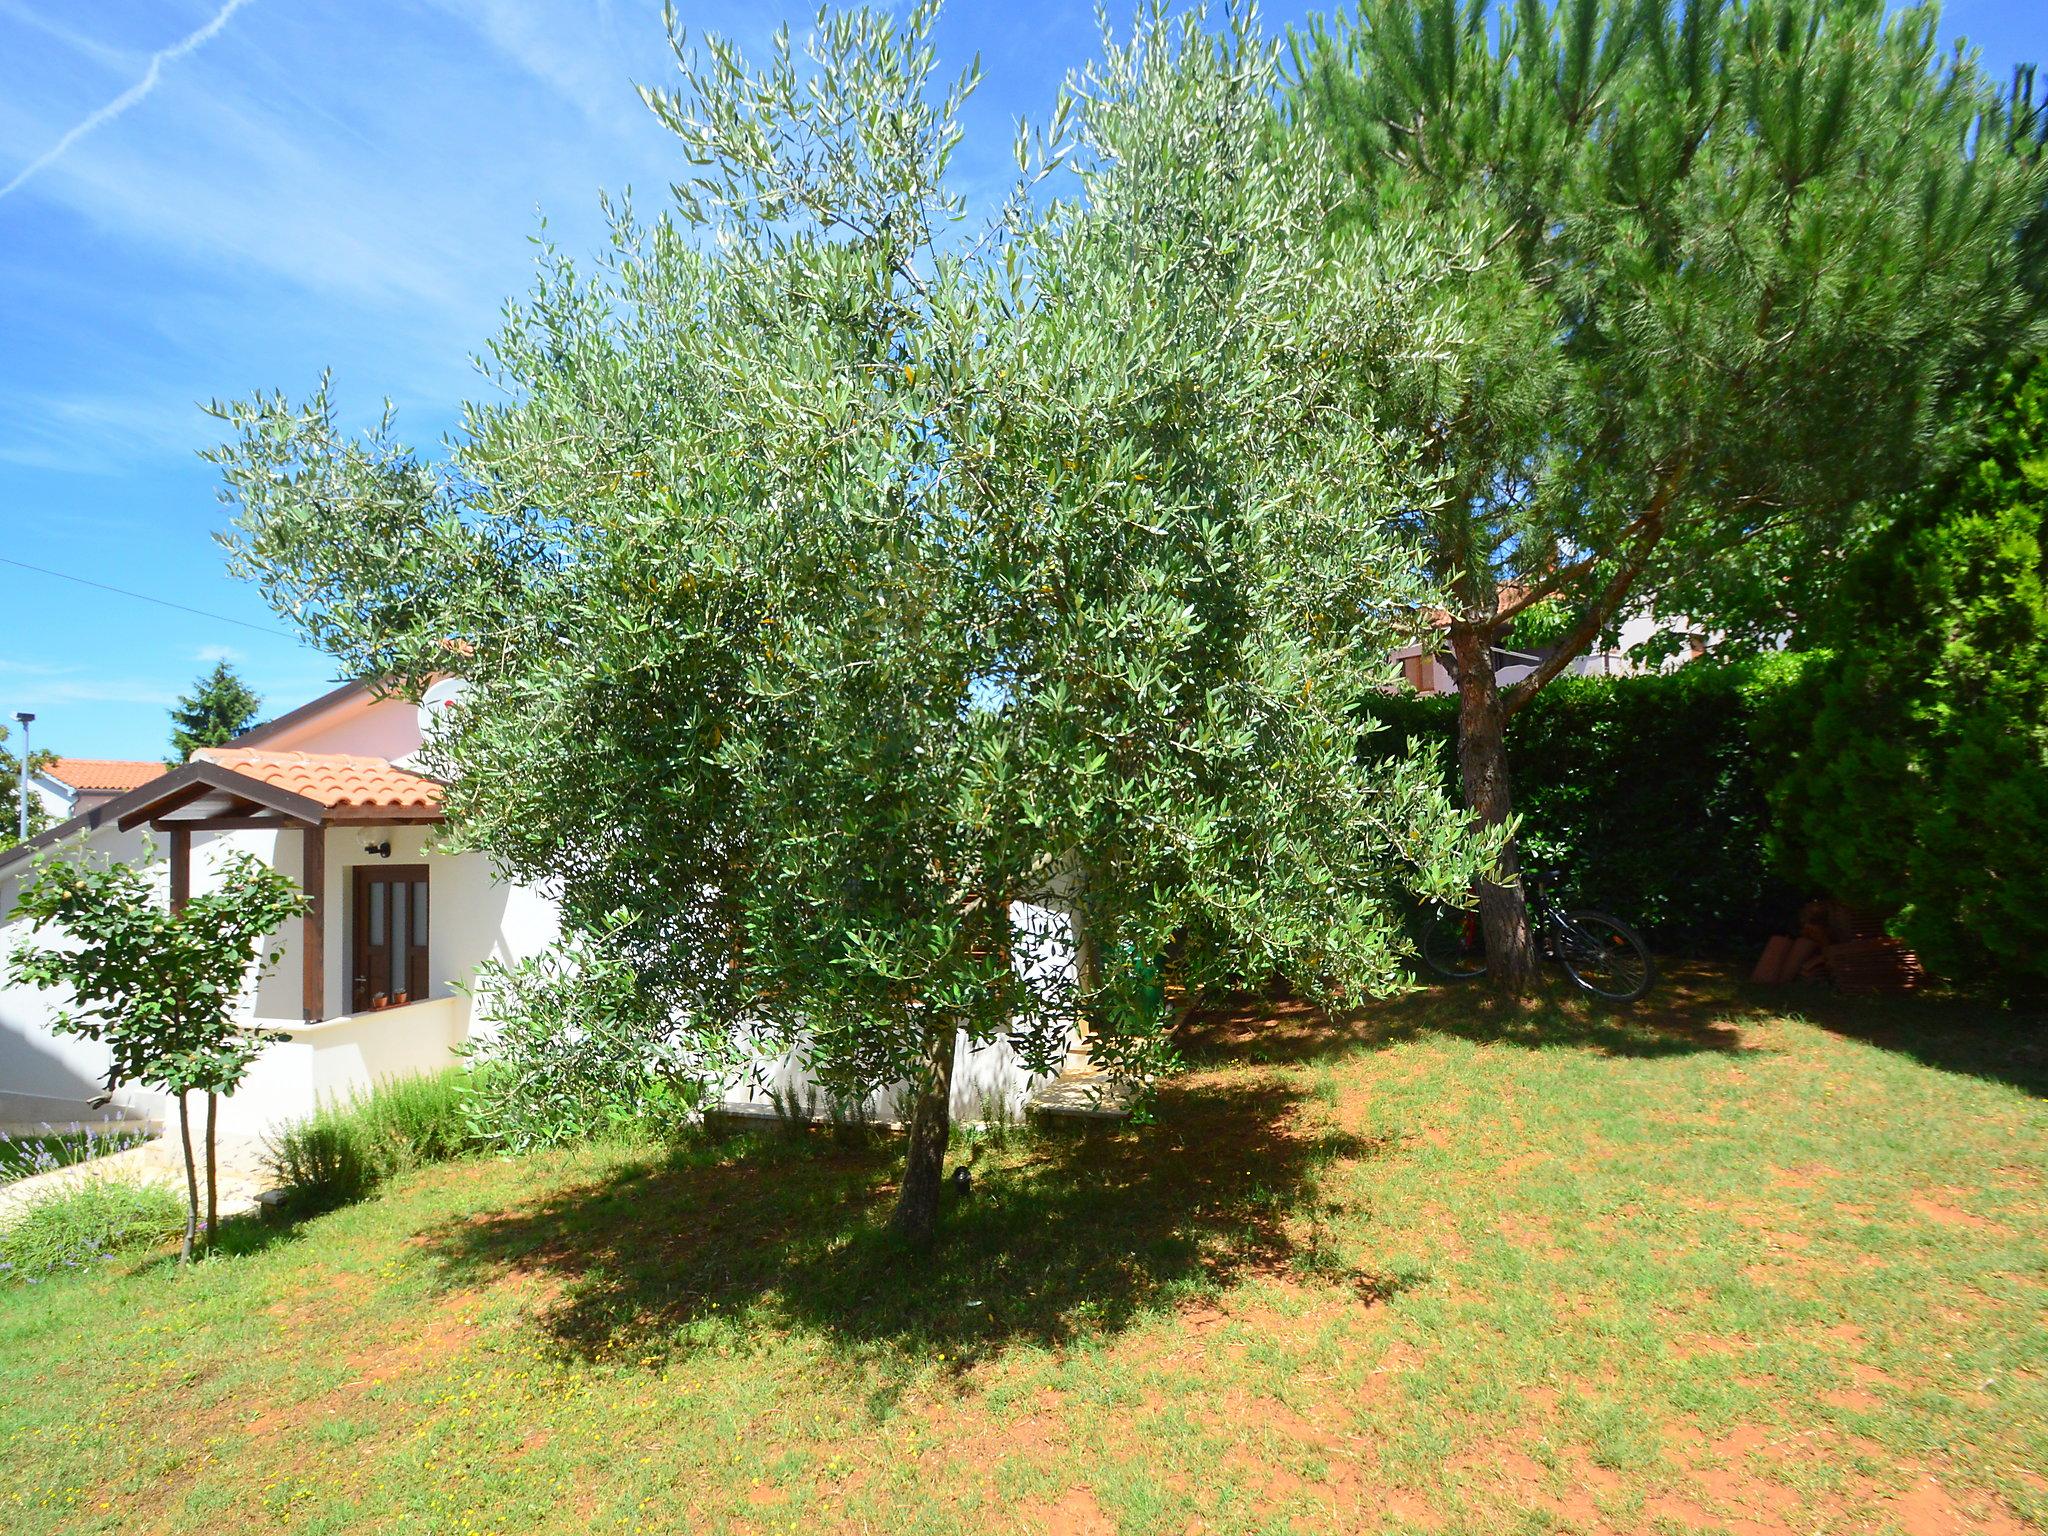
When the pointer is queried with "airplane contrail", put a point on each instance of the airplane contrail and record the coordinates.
(127, 98)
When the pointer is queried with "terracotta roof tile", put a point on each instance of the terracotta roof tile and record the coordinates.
(333, 779)
(102, 772)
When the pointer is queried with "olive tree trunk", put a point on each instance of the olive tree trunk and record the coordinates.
(1087, 959)
(1483, 765)
(931, 1118)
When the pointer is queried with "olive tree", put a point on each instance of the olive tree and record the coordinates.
(833, 574)
(160, 986)
(1717, 266)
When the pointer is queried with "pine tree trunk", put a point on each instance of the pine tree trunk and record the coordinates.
(212, 1170)
(191, 1177)
(1483, 764)
(924, 1170)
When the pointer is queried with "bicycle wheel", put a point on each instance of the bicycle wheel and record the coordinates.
(1453, 944)
(1605, 956)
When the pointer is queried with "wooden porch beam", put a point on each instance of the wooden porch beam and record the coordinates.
(227, 824)
(181, 867)
(313, 927)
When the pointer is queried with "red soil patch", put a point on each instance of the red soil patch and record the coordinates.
(1410, 1510)
(1944, 1214)
(1928, 1509)
(1804, 1175)
(1077, 1514)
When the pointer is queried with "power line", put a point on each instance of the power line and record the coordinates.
(144, 597)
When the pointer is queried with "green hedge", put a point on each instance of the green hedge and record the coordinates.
(1650, 792)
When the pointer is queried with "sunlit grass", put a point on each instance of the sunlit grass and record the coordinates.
(1438, 1266)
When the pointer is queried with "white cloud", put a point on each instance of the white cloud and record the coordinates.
(92, 48)
(56, 686)
(207, 655)
(151, 74)
(304, 194)
(574, 61)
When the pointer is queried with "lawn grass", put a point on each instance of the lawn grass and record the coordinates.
(1704, 1265)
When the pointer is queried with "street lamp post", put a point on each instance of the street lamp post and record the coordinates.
(23, 718)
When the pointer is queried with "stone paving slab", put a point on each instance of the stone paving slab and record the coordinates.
(1081, 1097)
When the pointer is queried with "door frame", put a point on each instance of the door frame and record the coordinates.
(362, 877)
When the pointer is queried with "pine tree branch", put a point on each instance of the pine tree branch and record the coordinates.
(1556, 581)
(1650, 533)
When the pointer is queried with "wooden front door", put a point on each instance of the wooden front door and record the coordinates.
(390, 945)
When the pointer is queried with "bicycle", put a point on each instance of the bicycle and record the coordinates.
(1602, 954)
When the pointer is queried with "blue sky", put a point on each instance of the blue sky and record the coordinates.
(204, 198)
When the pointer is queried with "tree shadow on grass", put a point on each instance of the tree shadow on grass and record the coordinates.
(1061, 1237)
(1951, 1034)
(1693, 1008)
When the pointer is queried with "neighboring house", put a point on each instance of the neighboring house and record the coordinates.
(68, 786)
(1428, 668)
(371, 982)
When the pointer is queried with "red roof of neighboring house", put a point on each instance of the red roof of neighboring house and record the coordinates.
(1505, 595)
(101, 773)
(332, 778)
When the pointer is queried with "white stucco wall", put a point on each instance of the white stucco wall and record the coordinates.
(471, 918)
(990, 1080)
(334, 1061)
(54, 798)
(359, 727)
(34, 1061)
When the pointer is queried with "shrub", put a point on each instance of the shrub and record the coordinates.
(345, 1150)
(1650, 792)
(87, 1223)
(1923, 790)
(21, 1156)
(573, 1052)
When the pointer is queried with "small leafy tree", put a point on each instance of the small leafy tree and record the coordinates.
(160, 988)
(832, 578)
(1719, 266)
(217, 710)
(1923, 790)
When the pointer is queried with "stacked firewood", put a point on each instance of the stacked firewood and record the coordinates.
(1844, 945)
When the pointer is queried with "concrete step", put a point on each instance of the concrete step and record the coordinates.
(1082, 1100)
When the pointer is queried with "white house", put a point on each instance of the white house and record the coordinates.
(367, 987)
(1428, 668)
(67, 786)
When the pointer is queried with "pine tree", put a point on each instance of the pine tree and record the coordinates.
(220, 707)
(1718, 266)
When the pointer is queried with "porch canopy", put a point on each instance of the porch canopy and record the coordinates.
(228, 789)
